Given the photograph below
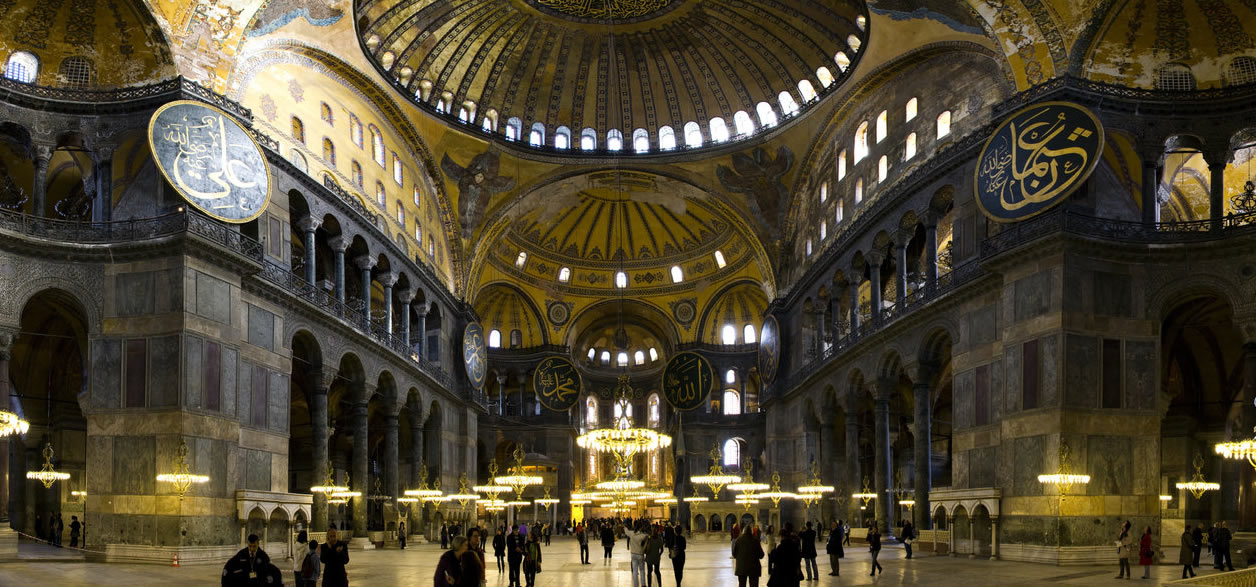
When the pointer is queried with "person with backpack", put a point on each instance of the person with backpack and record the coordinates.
(653, 554)
(532, 559)
(298, 559)
(307, 574)
(907, 534)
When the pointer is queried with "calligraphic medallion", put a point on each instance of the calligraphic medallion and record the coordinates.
(1036, 158)
(210, 160)
(475, 354)
(557, 383)
(687, 380)
(769, 348)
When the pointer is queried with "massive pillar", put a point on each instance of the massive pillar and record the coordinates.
(391, 460)
(360, 394)
(854, 476)
(318, 425)
(338, 246)
(1247, 476)
(13, 506)
(307, 227)
(884, 463)
(826, 458)
(39, 201)
(874, 282)
(416, 461)
(922, 398)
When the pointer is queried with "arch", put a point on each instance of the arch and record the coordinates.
(731, 402)
(489, 122)
(614, 140)
(699, 523)
(738, 303)
(767, 116)
(504, 306)
(743, 124)
(693, 134)
(588, 139)
(22, 66)
(77, 72)
(640, 141)
(667, 138)
(536, 137)
(562, 138)
(514, 128)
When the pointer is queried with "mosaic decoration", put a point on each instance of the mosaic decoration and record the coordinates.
(1035, 159)
(557, 312)
(477, 182)
(269, 109)
(475, 354)
(80, 28)
(684, 311)
(687, 381)
(604, 9)
(210, 160)
(296, 91)
(37, 28)
(760, 176)
(557, 384)
(769, 349)
(278, 13)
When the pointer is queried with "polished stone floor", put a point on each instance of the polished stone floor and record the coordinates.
(708, 566)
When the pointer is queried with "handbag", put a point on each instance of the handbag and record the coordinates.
(671, 553)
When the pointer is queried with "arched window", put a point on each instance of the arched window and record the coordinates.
(883, 168)
(911, 110)
(693, 134)
(621, 279)
(944, 124)
(490, 121)
(767, 116)
(621, 360)
(909, 150)
(418, 236)
(325, 112)
(606, 357)
(743, 124)
(377, 146)
(425, 90)
(417, 196)
(882, 126)
(445, 102)
(22, 66)
(842, 61)
(562, 138)
(653, 411)
(638, 358)
(494, 339)
(536, 138)
(514, 127)
(640, 140)
(329, 152)
(355, 169)
(592, 353)
(380, 195)
(298, 160)
(431, 246)
(1241, 70)
(861, 21)
(1175, 77)
(719, 130)
(728, 334)
(732, 403)
(788, 105)
(858, 190)
(401, 214)
(77, 72)
(564, 275)
(590, 412)
(732, 453)
(824, 229)
(464, 115)
(808, 249)
(806, 91)
(667, 138)
(824, 192)
(355, 130)
(398, 170)
(747, 332)
(730, 376)
(841, 165)
(677, 274)
(614, 140)
(516, 338)
(521, 260)
(298, 130)
(825, 76)
(854, 43)
(588, 139)
(654, 355)
(387, 60)
(841, 212)
(861, 141)
(719, 259)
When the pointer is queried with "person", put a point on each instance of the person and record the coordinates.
(303, 538)
(746, 556)
(1197, 535)
(734, 532)
(334, 555)
(582, 538)
(677, 554)
(846, 534)
(636, 551)
(444, 536)
(608, 543)
(532, 558)
(75, 526)
(834, 549)
(1146, 556)
(247, 565)
(471, 562)
(783, 562)
(308, 572)
(58, 530)
(514, 554)
(1222, 549)
(771, 538)
(401, 534)
(874, 546)
(449, 568)
(907, 534)
(1123, 551)
(549, 529)
(653, 555)
(499, 550)
(1187, 552)
(808, 539)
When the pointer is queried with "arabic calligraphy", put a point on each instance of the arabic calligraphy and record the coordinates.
(1036, 158)
(687, 380)
(605, 9)
(769, 349)
(475, 354)
(210, 160)
(557, 383)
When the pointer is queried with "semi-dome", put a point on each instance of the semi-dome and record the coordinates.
(635, 76)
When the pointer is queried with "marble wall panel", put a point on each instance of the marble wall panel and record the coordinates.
(1140, 374)
(277, 402)
(1112, 294)
(964, 408)
(244, 394)
(193, 371)
(1109, 464)
(256, 469)
(1030, 452)
(134, 465)
(230, 370)
(261, 328)
(1032, 296)
(1049, 393)
(997, 391)
(213, 298)
(982, 466)
(1012, 379)
(983, 325)
(1081, 371)
(163, 371)
(106, 373)
(134, 293)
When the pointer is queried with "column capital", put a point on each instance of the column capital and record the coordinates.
(6, 343)
(327, 377)
(388, 279)
(930, 219)
(902, 237)
(1217, 156)
(874, 258)
(42, 154)
(405, 296)
(308, 224)
(364, 262)
(339, 243)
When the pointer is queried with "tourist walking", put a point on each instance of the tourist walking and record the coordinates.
(653, 554)
(471, 562)
(636, 551)
(514, 554)
(846, 533)
(1197, 535)
(677, 554)
(1123, 541)
(582, 537)
(608, 543)
(401, 534)
(733, 532)
(1146, 555)
(874, 546)
(58, 529)
(298, 560)
(1221, 550)
(532, 558)
(334, 555)
(808, 539)
(1187, 552)
(907, 534)
(834, 549)
(444, 536)
(499, 550)
(746, 556)
(783, 563)
(449, 568)
(771, 532)
(75, 526)
(308, 570)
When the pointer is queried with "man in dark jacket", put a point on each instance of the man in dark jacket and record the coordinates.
(784, 560)
(246, 566)
(1221, 550)
(907, 534)
(834, 548)
(514, 554)
(499, 550)
(1197, 535)
(746, 555)
(608, 542)
(334, 555)
(582, 538)
(808, 539)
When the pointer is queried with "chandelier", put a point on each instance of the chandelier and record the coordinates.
(11, 424)
(716, 479)
(748, 486)
(329, 486)
(695, 498)
(813, 490)
(423, 493)
(464, 495)
(182, 478)
(622, 439)
(518, 479)
(547, 501)
(47, 475)
(865, 496)
(492, 490)
(775, 494)
(1243, 449)
(344, 495)
(1197, 485)
(746, 500)
(378, 495)
(1064, 479)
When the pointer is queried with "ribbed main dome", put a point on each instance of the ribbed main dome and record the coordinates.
(614, 70)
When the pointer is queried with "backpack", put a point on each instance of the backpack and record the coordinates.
(307, 567)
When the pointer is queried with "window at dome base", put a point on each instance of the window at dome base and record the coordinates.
(911, 109)
(788, 105)
(588, 139)
(747, 332)
(514, 129)
(693, 134)
(767, 116)
(719, 130)
(909, 150)
(842, 61)
(854, 43)
(677, 275)
(825, 76)
(494, 339)
(841, 165)
(638, 358)
(536, 138)
(719, 259)
(654, 355)
(808, 247)
(806, 91)
(824, 230)
(522, 259)
(562, 138)
(667, 138)
(824, 192)
(944, 124)
(614, 140)
(883, 168)
(640, 140)
(564, 274)
(621, 280)
(606, 357)
(592, 353)
(741, 120)
(728, 334)
(841, 209)
(621, 359)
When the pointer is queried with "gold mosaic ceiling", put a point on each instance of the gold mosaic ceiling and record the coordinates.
(557, 62)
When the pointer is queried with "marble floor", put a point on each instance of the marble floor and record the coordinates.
(708, 566)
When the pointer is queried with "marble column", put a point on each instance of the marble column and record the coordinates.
(884, 463)
(931, 255)
(1151, 187)
(874, 260)
(950, 535)
(923, 400)
(365, 264)
(972, 546)
(360, 459)
(416, 461)
(835, 311)
(826, 458)
(1216, 161)
(388, 280)
(102, 175)
(405, 296)
(318, 424)
(819, 330)
(391, 460)
(854, 476)
(308, 226)
(994, 538)
(900, 277)
(338, 245)
(422, 312)
(854, 306)
(502, 379)
(12, 500)
(39, 199)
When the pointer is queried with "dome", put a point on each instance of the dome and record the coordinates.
(625, 76)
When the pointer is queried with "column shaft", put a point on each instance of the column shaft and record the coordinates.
(39, 199)
(1216, 192)
(855, 479)
(318, 424)
(854, 307)
(931, 257)
(923, 456)
(340, 275)
(1151, 185)
(366, 293)
(360, 457)
(388, 308)
(391, 459)
(405, 324)
(884, 467)
(900, 259)
(104, 186)
(422, 347)
(310, 258)
(874, 282)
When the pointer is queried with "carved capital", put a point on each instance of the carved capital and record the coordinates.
(874, 258)
(405, 296)
(387, 279)
(339, 243)
(365, 262)
(308, 224)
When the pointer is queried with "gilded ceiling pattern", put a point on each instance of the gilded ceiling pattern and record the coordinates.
(601, 10)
